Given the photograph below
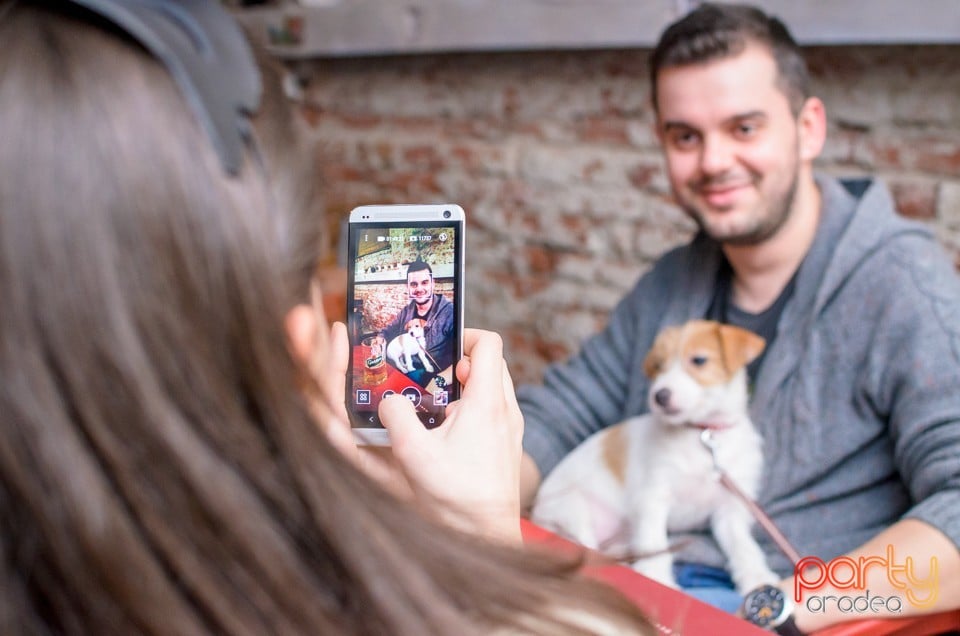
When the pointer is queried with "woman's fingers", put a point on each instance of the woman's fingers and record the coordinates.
(335, 379)
(484, 354)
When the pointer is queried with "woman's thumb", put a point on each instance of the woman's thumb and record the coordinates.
(400, 418)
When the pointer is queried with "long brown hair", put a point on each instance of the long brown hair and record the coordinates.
(159, 472)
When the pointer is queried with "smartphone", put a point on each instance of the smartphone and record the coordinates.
(404, 312)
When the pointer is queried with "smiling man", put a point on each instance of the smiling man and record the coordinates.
(856, 395)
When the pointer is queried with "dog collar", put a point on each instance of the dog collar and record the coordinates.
(710, 426)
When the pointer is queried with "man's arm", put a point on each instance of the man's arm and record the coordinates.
(913, 371)
(920, 590)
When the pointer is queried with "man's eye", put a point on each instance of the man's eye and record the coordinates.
(685, 139)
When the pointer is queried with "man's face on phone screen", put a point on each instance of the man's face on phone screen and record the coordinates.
(420, 286)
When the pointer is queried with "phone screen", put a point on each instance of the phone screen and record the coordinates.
(404, 317)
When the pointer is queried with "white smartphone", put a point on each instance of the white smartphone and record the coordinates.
(404, 312)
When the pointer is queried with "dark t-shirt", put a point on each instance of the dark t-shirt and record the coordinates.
(764, 324)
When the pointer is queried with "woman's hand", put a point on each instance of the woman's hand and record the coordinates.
(470, 463)
(329, 366)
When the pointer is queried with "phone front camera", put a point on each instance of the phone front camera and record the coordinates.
(446, 214)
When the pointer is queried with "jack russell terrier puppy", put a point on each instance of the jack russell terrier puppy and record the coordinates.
(410, 343)
(626, 486)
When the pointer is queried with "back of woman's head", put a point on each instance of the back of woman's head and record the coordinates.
(140, 345)
(158, 470)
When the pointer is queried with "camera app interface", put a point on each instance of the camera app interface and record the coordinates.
(402, 319)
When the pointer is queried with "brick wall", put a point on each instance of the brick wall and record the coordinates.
(553, 158)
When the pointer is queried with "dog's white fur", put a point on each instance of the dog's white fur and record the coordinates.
(402, 349)
(625, 487)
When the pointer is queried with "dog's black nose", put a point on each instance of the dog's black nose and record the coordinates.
(662, 397)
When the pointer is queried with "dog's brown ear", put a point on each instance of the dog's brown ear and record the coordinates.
(660, 351)
(740, 347)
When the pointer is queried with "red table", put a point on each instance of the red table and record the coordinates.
(676, 613)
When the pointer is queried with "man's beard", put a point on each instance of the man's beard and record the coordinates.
(777, 213)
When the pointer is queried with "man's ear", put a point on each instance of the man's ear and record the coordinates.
(301, 325)
(812, 124)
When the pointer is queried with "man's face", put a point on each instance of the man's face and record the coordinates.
(731, 145)
(420, 286)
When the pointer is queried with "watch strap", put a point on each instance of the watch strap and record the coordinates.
(788, 627)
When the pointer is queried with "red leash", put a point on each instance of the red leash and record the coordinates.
(706, 438)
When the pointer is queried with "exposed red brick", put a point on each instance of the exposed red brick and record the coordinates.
(591, 168)
(312, 114)
(511, 101)
(464, 155)
(424, 156)
(642, 176)
(476, 128)
(631, 64)
(532, 284)
(939, 160)
(429, 125)
(531, 129)
(541, 259)
(526, 221)
(917, 200)
(886, 155)
(552, 351)
(360, 121)
(928, 153)
(603, 130)
(575, 223)
(342, 172)
(413, 182)
(384, 151)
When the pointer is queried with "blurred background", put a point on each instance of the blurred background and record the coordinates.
(535, 117)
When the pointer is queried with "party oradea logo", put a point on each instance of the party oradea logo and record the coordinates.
(849, 574)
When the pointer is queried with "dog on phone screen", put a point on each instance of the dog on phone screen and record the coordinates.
(627, 486)
(409, 344)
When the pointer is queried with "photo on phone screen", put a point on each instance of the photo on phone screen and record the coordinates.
(405, 309)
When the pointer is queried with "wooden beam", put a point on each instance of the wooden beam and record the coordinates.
(379, 27)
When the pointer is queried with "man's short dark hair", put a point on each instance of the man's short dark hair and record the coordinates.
(418, 266)
(714, 31)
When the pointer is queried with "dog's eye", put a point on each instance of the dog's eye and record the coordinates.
(698, 361)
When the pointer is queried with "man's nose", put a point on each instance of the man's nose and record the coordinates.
(716, 155)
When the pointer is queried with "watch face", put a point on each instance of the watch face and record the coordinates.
(764, 606)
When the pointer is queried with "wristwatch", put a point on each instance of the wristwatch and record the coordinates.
(768, 607)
